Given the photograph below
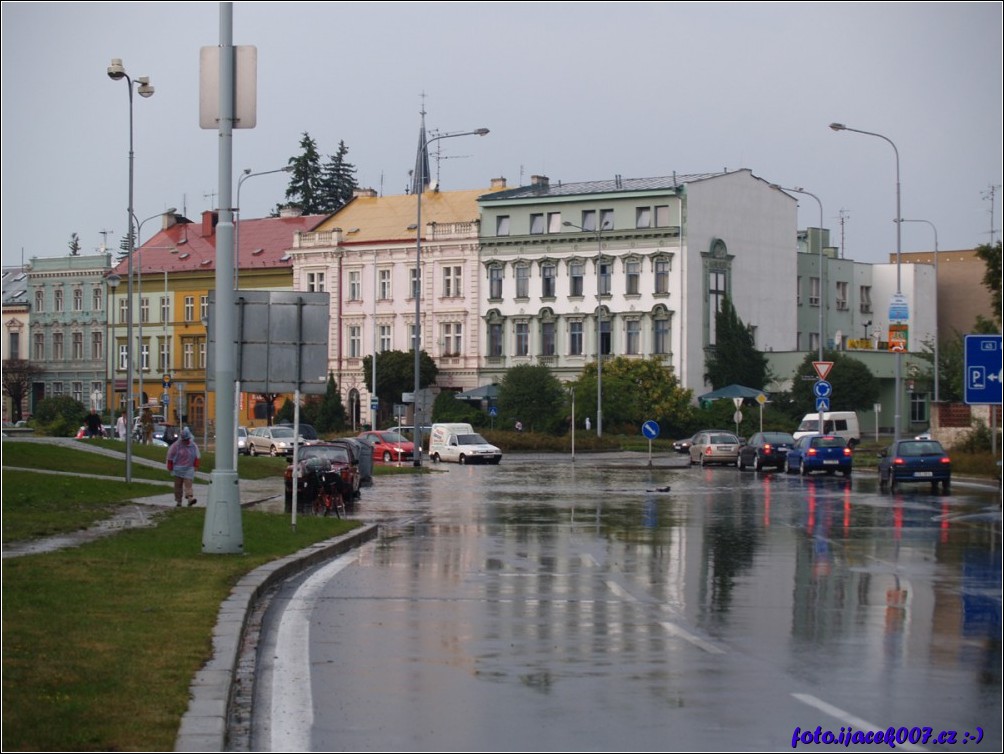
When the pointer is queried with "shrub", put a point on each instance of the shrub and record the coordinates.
(59, 416)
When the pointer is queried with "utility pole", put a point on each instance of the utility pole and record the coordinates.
(844, 216)
(990, 193)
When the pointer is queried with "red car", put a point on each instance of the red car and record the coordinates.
(388, 446)
(316, 463)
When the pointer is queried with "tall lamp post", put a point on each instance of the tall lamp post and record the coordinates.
(237, 273)
(600, 227)
(112, 281)
(897, 426)
(937, 364)
(417, 438)
(117, 72)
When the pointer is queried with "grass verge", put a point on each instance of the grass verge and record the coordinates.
(102, 641)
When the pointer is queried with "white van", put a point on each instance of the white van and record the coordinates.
(841, 423)
(461, 444)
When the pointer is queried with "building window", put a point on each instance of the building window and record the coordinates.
(452, 332)
(589, 219)
(502, 225)
(39, 301)
(495, 339)
(643, 217)
(165, 357)
(606, 219)
(842, 296)
(547, 280)
(78, 299)
(165, 309)
(495, 282)
(414, 339)
(606, 268)
(662, 216)
(57, 300)
(355, 341)
(813, 291)
(384, 336)
(866, 299)
(189, 308)
(553, 222)
(523, 281)
(204, 308)
(918, 408)
(536, 224)
(97, 299)
(575, 338)
(315, 282)
(383, 285)
(97, 345)
(716, 292)
(576, 272)
(188, 354)
(144, 357)
(77, 346)
(123, 357)
(451, 281)
(632, 271)
(662, 276)
(144, 310)
(547, 345)
(355, 286)
(660, 335)
(14, 345)
(202, 353)
(632, 343)
(39, 349)
(414, 283)
(814, 341)
(522, 339)
(798, 290)
(605, 341)
(77, 391)
(57, 346)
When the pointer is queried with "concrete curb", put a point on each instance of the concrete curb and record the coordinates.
(204, 726)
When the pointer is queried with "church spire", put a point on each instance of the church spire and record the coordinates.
(420, 178)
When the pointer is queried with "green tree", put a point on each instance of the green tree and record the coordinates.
(533, 396)
(74, 244)
(446, 408)
(991, 256)
(330, 411)
(634, 391)
(734, 359)
(396, 373)
(338, 181)
(59, 416)
(304, 190)
(18, 374)
(854, 386)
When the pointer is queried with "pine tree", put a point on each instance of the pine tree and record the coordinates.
(74, 245)
(331, 412)
(338, 181)
(304, 189)
(734, 359)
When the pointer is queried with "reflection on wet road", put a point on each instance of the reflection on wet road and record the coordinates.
(541, 605)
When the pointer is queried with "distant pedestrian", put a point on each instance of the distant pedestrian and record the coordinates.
(182, 461)
(146, 425)
(120, 427)
(589, 424)
(519, 426)
(93, 423)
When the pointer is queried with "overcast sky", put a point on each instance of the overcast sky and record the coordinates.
(573, 91)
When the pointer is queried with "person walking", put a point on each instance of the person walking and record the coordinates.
(182, 461)
(146, 425)
(120, 427)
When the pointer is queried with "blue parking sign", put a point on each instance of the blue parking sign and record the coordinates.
(983, 369)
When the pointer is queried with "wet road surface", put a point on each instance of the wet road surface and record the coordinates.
(541, 605)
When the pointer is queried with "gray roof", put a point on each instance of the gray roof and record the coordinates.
(613, 185)
(15, 286)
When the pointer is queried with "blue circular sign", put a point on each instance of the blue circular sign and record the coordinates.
(650, 429)
(822, 389)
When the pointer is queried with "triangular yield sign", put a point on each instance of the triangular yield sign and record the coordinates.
(822, 368)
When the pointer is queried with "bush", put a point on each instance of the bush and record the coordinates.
(447, 408)
(59, 416)
(977, 440)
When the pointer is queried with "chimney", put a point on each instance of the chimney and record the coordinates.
(366, 193)
(168, 220)
(209, 220)
(498, 183)
(539, 181)
(290, 210)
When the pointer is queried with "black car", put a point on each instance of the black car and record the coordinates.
(683, 446)
(765, 450)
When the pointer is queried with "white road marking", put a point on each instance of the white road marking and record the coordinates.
(846, 717)
(697, 641)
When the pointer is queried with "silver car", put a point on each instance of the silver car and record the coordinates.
(714, 446)
(275, 441)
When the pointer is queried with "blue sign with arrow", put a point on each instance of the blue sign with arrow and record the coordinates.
(822, 389)
(983, 369)
(650, 429)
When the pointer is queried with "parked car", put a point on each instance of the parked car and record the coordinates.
(388, 446)
(361, 457)
(714, 446)
(308, 434)
(765, 449)
(165, 434)
(829, 453)
(408, 432)
(314, 459)
(276, 441)
(242, 441)
(683, 446)
(915, 461)
(459, 443)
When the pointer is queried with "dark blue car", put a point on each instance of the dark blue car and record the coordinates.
(915, 461)
(829, 453)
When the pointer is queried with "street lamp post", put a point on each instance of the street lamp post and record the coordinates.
(600, 227)
(897, 425)
(237, 272)
(112, 281)
(417, 438)
(117, 72)
(937, 364)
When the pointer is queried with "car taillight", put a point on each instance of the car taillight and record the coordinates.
(847, 451)
(946, 459)
(898, 461)
(812, 452)
(766, 447)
